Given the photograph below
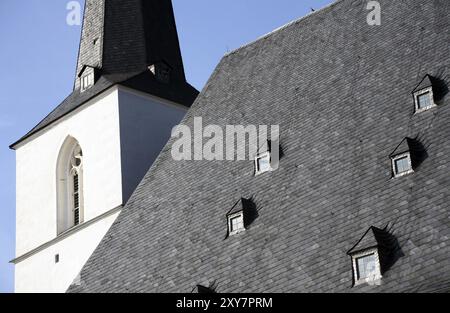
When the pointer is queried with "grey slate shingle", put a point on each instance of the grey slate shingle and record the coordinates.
(341, 92)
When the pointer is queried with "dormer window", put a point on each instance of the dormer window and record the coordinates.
(424, 101)
(268, 156)
(401, 158)
(206, 290)
(366, 256)
(87, 77)
(402, 165)
(87, 81)
(423, 95)
(262, 163)
(241, 215)
(366, 266)
(236, 223)
(161, 71)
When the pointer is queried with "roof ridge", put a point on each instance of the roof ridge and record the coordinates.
(276, 30)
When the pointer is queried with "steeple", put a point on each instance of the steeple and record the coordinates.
(124, 37)
(133, 43)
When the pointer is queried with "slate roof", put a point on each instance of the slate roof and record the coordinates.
(402, 147)
(425, 83)
(370, 239)
(341, 92)
(130, 36)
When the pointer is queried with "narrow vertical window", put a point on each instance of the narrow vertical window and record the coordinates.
(262, 163)
(366, 266)
(76, 200)
(70, 208)
(424, 101)
(236, 223)
(87, 81)
(402, 165)
(423, 95)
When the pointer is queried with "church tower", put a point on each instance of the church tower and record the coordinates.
(78, 167)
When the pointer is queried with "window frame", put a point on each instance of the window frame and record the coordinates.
(417, 95)
(361, 254)
(258, 171)
(396, 158)
(230, 218)
(69, 165)
(161, 71)
(89, 81)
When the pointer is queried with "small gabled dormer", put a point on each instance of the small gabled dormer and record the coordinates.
(423, 95)
(268, 156)
(206, 290)
(373, 255)
(240, 216)
(401, 159)
(366, 258)
(87, 77)
(162, 71)
(407, 157)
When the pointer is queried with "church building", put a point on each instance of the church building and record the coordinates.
(360, 199)
(79, 166)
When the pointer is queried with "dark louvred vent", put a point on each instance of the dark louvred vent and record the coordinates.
(76, 201)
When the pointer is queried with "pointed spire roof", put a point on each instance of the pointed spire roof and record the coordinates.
(128, 36)
(425, 83)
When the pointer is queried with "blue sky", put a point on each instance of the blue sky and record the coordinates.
(38, 57)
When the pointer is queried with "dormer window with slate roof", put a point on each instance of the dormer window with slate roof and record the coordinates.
(87, 81)
(236, 223)
(365, 258)
(161, 71)
(206, 290)
(366, 266)
(87, 78)
(240, 216)
(423, 95)
(263, 161)
(401, 159)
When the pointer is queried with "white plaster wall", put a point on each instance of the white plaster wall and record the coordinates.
(96, 127)
(39, 273)
(146, 124)
(121, 132)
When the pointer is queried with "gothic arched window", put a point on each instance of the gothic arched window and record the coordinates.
(69, 186)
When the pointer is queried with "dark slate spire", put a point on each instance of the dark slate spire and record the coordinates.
(128, 36)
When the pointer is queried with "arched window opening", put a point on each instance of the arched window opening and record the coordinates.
(70, 186)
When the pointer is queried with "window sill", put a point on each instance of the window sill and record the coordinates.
(237, 232)
(403, 174)
(71, 229)
(375, 280)
(428, 108)
(262, 172)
